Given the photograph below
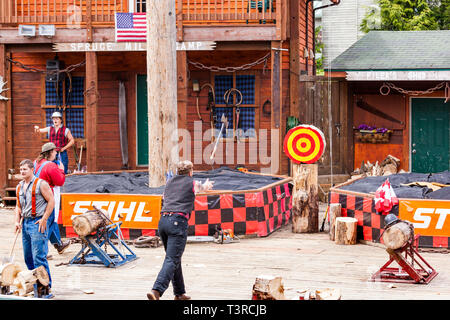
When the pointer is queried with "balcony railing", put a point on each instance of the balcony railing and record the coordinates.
(190, 12)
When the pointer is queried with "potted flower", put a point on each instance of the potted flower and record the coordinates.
(371, 134)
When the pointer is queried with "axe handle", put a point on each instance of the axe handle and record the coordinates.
(217, 142)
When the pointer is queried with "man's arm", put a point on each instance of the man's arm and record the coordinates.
(41, 130)
(55, 173)
(48, 196)
(71, 141)
(18, 214)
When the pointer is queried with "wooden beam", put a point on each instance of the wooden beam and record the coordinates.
(162, 90)
(277, 102)
(243, 46)
(294, 59)
(91, 110)
(3, 125)
(182, 95)
(229, 33)
(89, 31)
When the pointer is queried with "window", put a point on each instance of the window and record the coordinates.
(67, 97)
(140, 6)
(236, 100)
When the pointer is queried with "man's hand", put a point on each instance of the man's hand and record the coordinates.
(18, 227)
(42, 224)
(61, 165)
(208, 185)
(36, 128)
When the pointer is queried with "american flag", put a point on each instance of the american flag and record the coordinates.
(131, 27)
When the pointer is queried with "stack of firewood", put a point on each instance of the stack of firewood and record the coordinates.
(387, 167)
(21, 282)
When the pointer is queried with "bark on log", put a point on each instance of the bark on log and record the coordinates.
(335, 212)
(41, 275)
(88, 222)
(398, 235)
(8, 273)
(268, 288)
(305, 198)
(345, 230)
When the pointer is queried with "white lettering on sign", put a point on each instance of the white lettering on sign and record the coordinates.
(423, 215)
(134, 211)
(129, 46)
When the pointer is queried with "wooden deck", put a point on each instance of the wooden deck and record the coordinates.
(227, 272)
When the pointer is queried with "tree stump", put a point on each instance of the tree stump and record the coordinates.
(334, 212)
(268, 288)
(345, 230)
(8, 273)
(398, 235)
(88, 222)
(305, 198)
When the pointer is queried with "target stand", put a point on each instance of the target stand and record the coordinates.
(413, 267)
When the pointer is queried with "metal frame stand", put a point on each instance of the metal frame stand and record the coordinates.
(94, 248)
(407, 272)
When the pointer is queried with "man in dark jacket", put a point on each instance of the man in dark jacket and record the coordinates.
(178, 203)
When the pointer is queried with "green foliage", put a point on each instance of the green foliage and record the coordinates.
(405, 15)
(441, 13)
(318, 50)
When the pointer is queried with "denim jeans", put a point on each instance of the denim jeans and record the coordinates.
(172, 229)
(53, 230)
(35, 245)
(64, 159)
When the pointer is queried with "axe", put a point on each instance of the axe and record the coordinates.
(224, 121)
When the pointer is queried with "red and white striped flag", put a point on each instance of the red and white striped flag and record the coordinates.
(131, 27)
(385, 198)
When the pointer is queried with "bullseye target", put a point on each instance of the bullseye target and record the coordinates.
(304, 144)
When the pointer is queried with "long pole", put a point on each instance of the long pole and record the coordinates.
(162, 90)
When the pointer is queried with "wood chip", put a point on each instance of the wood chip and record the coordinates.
(88, 291)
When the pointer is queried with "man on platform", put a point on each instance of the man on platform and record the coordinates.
(46, 169)
(60, 136)
(34, 206)
(178, 203)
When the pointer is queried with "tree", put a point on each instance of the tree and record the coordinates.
(319, 50)
(441, 13)
(401, 15)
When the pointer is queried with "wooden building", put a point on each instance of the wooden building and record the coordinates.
(261, 49)
(399, 80)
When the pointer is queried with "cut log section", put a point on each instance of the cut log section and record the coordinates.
(88, 222)
(268, 288)
(42, 276)
(328, 294)
(305, 198)
(345, 230)
(25, 282)
(398, 235)
(334, 212)
(8, 272)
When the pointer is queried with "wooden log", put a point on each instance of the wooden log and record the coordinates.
(335, 212)
(328, 294)
(8, 273)
(25, 281)
(345, 230)
(88, 222)
(268, 288)
(41, 275)
(305, 198)
(398, 235)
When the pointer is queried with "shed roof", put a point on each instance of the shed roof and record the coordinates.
(397, 50)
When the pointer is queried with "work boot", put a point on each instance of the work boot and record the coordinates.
(182, 297)
(61, 247)
(153, 295)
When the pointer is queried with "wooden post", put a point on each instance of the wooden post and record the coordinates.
(182, 100)
(277, 104)
(3, 125)
(305, 198)
(334, 212)
(91, 110)
(162, 90)
(345, 230)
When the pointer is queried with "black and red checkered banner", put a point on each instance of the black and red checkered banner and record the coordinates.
(259, 213)
(370, 223)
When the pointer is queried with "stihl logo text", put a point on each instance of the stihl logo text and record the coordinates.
(423, 215)
(131, 210)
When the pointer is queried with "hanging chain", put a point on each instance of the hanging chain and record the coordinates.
(387, 86)
(231, 69)
(32, 69)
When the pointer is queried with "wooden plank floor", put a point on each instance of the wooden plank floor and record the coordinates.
(224, 272)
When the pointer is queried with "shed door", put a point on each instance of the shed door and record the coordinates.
(429, 135)
(142, 121)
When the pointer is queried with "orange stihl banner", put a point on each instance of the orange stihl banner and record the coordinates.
(135, 211)
(430, 217)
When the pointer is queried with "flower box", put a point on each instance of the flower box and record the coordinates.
(372, 136)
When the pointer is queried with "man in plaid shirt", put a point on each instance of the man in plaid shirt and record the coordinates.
(60, 136)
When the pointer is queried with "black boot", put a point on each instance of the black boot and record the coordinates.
(61, 247)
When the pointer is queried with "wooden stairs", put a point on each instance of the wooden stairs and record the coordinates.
(10, 197)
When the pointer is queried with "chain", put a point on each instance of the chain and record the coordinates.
(387, 86)
(231, 69)
(32, 69)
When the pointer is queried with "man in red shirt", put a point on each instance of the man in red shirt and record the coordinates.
(46, 169)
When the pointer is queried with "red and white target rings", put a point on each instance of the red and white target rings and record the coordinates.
(304, 144)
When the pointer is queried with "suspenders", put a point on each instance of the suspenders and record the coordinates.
(33, 197)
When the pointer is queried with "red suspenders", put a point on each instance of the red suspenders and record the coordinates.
(33, 197)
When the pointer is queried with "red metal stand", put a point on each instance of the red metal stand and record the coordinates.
(407, 272)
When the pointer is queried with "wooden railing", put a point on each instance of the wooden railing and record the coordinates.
(191, 12)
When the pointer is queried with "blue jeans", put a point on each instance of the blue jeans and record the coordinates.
(35, 245)
(64, 159)
(172, 230)
(53, 230)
